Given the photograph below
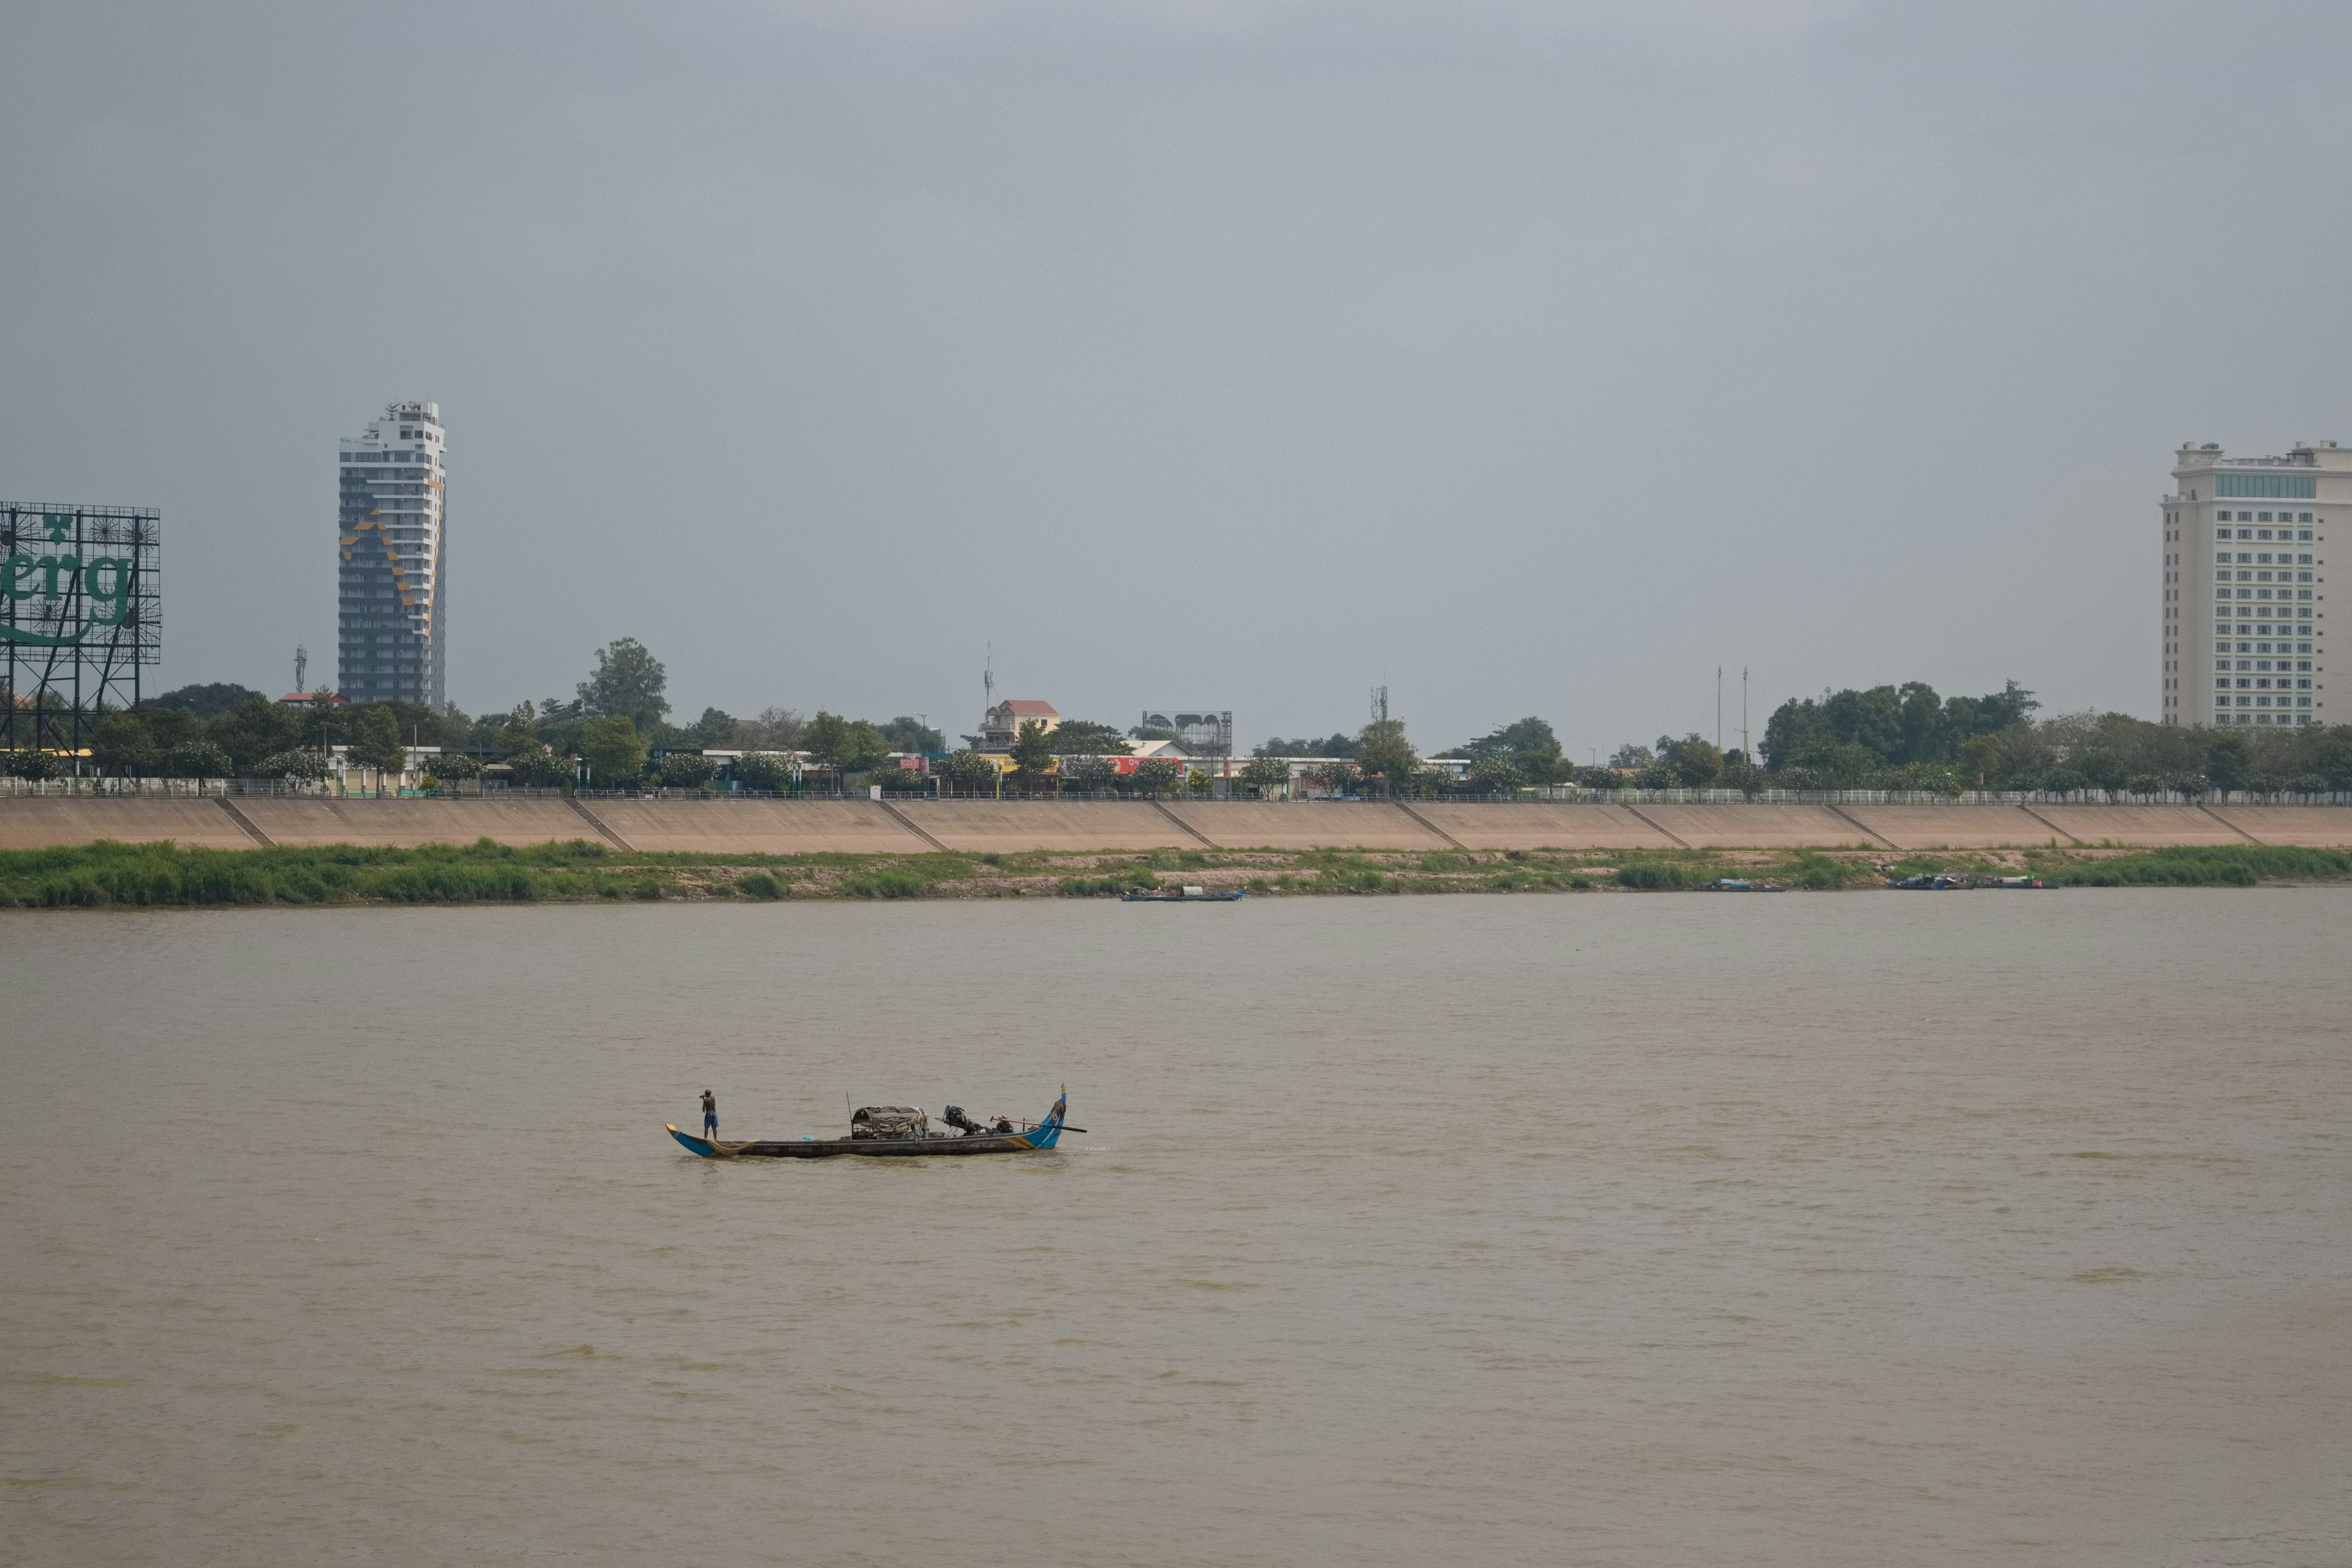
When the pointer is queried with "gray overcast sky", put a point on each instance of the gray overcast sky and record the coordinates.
(1530, 358)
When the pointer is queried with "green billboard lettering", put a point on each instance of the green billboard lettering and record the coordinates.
(59, 523)
(105, 582)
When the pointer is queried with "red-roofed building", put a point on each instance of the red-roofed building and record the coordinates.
(304, 698)
(1001, 725)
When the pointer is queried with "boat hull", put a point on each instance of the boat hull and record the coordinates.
(868, 1148)
(1043, 1136)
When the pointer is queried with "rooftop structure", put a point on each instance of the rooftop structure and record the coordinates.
(1206, 731)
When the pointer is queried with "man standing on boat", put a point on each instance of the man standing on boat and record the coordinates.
(709, 1114)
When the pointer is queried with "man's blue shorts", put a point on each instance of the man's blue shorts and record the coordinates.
(711, 1124)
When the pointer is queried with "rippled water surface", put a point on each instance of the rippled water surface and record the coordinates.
(1816, 1229)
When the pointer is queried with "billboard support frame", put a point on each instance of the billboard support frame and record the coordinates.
(81, 619)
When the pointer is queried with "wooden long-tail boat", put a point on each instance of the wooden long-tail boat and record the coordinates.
(1029, 1140)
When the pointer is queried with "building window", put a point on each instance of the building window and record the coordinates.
(2266, 486)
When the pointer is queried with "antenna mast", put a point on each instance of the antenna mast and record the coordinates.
(1380, 704)
(1745, 755)
(302, 666)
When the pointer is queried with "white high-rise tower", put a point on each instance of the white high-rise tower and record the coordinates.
(394, 598)
(2245, 584)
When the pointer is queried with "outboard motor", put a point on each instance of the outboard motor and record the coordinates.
(954, 1117)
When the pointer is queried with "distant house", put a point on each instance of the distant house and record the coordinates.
(1001, 725)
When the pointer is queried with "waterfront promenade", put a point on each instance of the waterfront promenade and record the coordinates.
(726, 826)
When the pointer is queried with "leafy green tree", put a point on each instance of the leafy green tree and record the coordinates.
(1032, 755)
(424, 726)
(1331, 746)
(970, 772)
(1529, 747)
(775, 729)
(376, 740)
(715, 729)
(842, 745)
(767, 772)
(1693, 762)
(1085, 738)
(1088, 774)
(304, 765)
(1630, 755)
(628, 683)
(1265, 774)
(2329, 754)
(254, 728)
(195, 758)
(2227, 762)
(685, 770)
(205, 702)
(614, 750)
(825, 739)
(1427, 782)
(122, 744)
(1382, 751)
(1743, 775)
(31, 765)
(325, 721)
(907, 733)
(1494, 773)
(1980, 757)
(1153, 732)
(172, 728)
(1339, 777)
(533, 766)
(1155, 776)
(1828, 762)
(2105, 768)
(1896, 724)
(451, 766)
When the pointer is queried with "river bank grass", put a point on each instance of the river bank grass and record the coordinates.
(106, 874)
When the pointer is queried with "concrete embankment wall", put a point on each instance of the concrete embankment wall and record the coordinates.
(867, 828)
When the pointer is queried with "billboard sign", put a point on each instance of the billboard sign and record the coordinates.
(81, 616)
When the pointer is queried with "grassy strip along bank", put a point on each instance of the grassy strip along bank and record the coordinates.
(106, 873)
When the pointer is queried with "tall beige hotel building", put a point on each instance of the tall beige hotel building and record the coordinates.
(2245, 584)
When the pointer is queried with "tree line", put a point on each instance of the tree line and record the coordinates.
(1902, 737)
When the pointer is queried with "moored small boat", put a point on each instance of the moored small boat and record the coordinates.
(1181, 896)
(906, 1131)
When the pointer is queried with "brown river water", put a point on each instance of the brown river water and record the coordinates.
(1869, 1229)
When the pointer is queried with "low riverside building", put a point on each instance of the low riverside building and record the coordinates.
(2245, 583)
